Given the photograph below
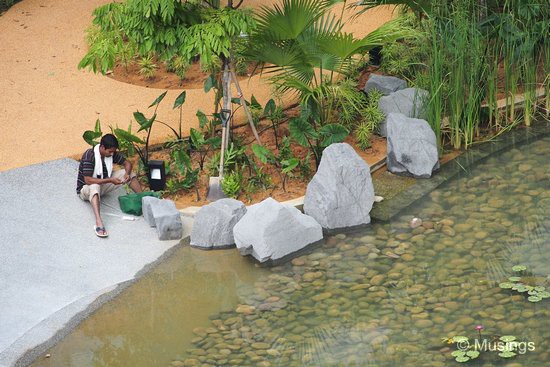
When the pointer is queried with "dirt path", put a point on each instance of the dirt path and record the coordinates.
(46, 103)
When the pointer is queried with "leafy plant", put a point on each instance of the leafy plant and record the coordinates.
(363, 134)
(232, 184)
(189, 181)
(306, 132)
(147, 67)
(180, 66)
(202, 145)
(285, 163)
(302, 44)
(91, 136)
(275, 114)
(166, 29)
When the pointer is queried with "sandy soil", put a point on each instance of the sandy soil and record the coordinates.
(46, 103)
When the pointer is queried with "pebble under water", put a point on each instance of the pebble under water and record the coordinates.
(387, 295)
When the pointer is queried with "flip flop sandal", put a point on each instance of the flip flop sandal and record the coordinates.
(100, 232)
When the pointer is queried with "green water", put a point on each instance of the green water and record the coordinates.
(388, 295)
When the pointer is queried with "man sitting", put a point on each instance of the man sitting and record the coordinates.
(96, 176)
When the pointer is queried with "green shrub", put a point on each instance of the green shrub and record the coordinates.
(362, 134)
(147, 67)
(232, 184)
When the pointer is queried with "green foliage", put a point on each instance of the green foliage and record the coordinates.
(284, 162)
(316, 137)
(166, 29)
(464, 46)
(91, 136)
(234, 155)
(180, 66)
(258, 179)
(303, 45)
(362, 135)
(188, 182)
(232, 184)
(147, 67)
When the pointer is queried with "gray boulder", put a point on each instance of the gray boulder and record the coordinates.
(147, 202)
(213, 226)
(412, 146)
(410, 102)
(340, 194)
(385, 84)
(167, 220)
(270, 231)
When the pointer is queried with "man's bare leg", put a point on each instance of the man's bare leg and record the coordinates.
(95, 206)
(135, 185)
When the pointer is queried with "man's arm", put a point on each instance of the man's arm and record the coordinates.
(89, 180)
(128, 168)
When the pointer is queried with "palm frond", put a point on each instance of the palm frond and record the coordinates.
(288, 21)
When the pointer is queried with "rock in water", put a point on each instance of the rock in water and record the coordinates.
(385, 84)
(213, 226)
(412, 146)
(167, 220)
(410, 102)
(270, 230)
(341, 193)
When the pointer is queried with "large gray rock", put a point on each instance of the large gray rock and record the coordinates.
(270, 231)
(410, 102)
(167, 220)
(213, 226)
(385, 84)
(412, 146)
(147, 202)
(340, 194)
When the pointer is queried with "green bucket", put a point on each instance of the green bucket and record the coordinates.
(131, 203)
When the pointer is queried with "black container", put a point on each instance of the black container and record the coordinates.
(375, 56)
(156, 175)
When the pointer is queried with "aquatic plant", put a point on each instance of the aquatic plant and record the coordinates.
(479, 328)
(507, 354)
(535, 293)
(461, 355)
(519, 268)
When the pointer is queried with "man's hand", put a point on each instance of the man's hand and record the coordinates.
(126, 178)
(116, 181)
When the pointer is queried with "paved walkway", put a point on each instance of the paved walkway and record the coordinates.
(52, 264)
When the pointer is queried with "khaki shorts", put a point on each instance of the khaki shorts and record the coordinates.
(88, 191)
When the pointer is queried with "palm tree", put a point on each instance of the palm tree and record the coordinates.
(303, 45)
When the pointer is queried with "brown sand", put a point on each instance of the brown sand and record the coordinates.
(46, 103)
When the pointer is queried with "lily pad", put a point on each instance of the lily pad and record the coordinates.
(544, 294)
(507, 338)
(522, 289)
(462, 359)
(533, 292)
(519, 268)
(540, 288)
(534, 299)
(459, 339)
(506, 285)
(514, 279)
(458, 353)
(506, 354)
(472, 354)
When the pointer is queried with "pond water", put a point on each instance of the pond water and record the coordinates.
(387, 295)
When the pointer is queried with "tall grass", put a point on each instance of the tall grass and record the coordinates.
(478, 54)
